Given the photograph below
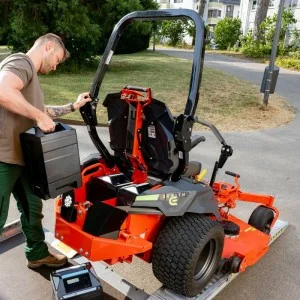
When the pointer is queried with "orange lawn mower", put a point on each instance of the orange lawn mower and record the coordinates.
(147, 199)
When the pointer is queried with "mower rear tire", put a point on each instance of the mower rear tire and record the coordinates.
(187, 253)
(262, 218)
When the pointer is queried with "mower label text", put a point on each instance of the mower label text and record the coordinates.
(173, 198)
(151, 132)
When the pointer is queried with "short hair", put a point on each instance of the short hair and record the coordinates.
(55, 39)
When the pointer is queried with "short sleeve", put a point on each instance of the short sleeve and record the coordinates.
(21, 68)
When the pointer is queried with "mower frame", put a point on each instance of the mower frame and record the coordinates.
(140, 224)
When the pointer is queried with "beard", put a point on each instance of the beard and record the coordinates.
(46, 68)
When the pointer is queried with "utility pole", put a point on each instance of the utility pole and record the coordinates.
(273, 54)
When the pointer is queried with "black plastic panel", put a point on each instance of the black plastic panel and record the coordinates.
(52, 160)
(104, 220)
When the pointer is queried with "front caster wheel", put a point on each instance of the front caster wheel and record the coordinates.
(262, 218)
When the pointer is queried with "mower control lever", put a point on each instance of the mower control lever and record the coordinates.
(226, 152)
(232, 174)
(196, 139)
(213, 128)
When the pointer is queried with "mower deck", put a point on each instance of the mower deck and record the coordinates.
(219, 282)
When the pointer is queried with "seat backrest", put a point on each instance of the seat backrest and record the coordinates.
(157, 139)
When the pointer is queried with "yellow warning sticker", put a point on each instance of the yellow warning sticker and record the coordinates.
(63, 248)
(250, 229)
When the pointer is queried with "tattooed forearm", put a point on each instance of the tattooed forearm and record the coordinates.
(58, 111)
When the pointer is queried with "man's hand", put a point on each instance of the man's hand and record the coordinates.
(45, 123)
(82, 100)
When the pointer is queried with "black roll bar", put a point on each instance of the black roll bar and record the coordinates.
(157, 15)
(88, 111)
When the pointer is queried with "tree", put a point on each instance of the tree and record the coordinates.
(227, 32)
(5, 8)
(69, 19)
(258, 48)
(268, 27)
(201, 7)
(84, 25)
(173, 30)
(261, 14)
(136, 36)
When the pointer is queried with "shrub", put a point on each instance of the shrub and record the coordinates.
(227, 32)
(174, 31)
(292, 61)
(251, 47)
(260, 47)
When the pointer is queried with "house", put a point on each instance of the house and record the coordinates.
(215, 10)
(248, 11)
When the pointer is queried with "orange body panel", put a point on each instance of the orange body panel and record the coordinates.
(96, 248)
(250, 245)
(138, 232)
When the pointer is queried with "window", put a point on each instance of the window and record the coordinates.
(294, 3)
(178, 1)
(214, 13)
(271, 4)
(229, 11)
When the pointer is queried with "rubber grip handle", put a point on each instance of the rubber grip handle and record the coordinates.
(232, 174)
(136, 88)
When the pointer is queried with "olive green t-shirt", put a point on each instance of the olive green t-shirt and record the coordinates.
(11, 124)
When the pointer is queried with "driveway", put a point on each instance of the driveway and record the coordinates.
(268, 162)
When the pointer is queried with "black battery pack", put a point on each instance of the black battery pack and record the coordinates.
(52, 160)
(76, 283)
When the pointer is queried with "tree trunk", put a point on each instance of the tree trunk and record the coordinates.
(201, 7)
(261, 14)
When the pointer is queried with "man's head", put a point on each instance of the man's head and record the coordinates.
(53, 52)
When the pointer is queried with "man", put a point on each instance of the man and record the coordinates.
(21, 107)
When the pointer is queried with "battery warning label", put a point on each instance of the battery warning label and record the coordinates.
(151, 132)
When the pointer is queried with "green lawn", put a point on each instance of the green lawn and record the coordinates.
(227, 101)
(221, 95)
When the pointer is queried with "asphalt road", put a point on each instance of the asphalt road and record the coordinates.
(268, 162)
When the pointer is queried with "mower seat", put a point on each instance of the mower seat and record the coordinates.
(157, 139)
(193, 169)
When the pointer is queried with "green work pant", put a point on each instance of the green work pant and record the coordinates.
(13, 181)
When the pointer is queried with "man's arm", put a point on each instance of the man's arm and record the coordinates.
(58, 111)
(12, 99)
